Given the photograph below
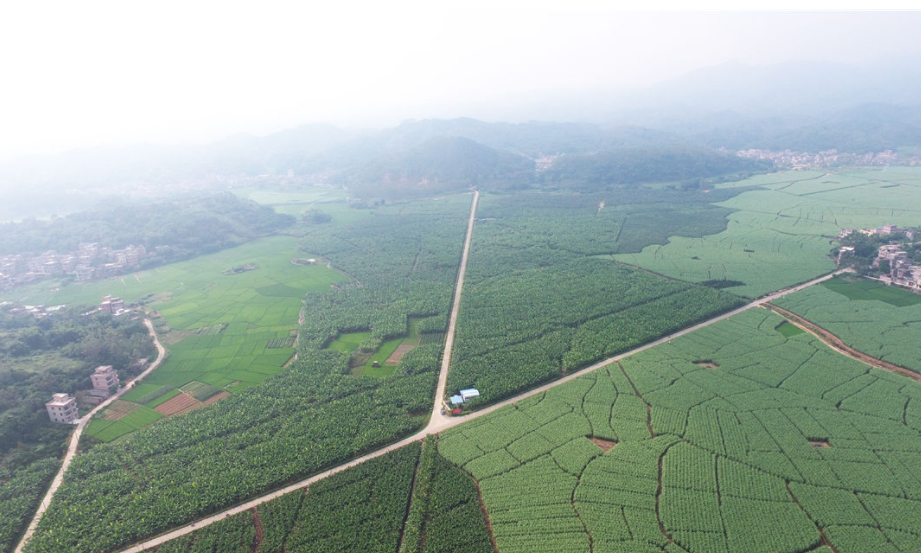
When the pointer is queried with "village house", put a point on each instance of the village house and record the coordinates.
(105, 378)
(62, 409)
(112, 305)
(901, 270)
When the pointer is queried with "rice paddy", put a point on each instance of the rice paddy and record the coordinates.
(226, 331)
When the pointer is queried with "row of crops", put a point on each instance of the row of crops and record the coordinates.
(542, 301)
(311, 416)
(360, 509)
(445, 514)
(881, 321)
(20, 492)
(363, 508)
(734, 438)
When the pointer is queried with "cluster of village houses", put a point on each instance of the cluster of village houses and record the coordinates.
(63, 407)
(801, 161)
(110, 304)
(88, 262)
(901, 270)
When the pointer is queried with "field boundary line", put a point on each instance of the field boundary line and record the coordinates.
(75, 438)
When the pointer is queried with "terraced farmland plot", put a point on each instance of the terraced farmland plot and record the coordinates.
(883, 322)
(780, 235)
(770, 443)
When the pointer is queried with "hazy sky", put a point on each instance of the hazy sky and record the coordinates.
(86, 72)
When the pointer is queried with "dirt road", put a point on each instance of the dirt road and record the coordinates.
(438, 422)
(75, 438)
(838, 344)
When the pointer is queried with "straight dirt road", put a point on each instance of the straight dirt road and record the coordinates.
(438, 420)
(75, 438)
(439, 423)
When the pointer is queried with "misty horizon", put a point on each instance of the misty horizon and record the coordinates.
(87, 78)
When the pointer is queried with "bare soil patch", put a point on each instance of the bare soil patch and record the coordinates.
(707, 363)
(605, 445)
(257, 523)
(119, 409)
(492, 535)
(174, 336)
(398, 354)
(182, 403)
(819, 443)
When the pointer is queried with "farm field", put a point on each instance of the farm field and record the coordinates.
(540, 302)
(313, 415)
(734, 438)
(295, 202)
(387, 354)
(779, 235)
(881, 321)
(230, 331)
(748, 435)
(363, 508)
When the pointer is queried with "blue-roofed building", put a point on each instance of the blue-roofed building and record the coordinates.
(456, 399)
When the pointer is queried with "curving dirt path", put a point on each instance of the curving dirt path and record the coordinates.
(75, 438)
(838, 344)
(439, 422)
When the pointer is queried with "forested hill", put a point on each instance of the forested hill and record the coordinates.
(646, 165)
(862, 129)
(441, 164)
(187, 226)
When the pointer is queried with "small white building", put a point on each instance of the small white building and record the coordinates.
(469, 393)
(105, 378)
(63, 409)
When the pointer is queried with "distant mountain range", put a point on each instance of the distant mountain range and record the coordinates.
(798, 106)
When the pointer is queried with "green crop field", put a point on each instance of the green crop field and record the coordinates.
(359, 509)
(781, 235)
(543, 299)
(881, 321)
(228, 320)
(312, 415)
(363, 508)
(294, 203)
(749, 435)
(349, 341)
(734, 438)
(866, 289)
(107, 430)
(788, 329)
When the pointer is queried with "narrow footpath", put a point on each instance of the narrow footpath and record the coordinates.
(75, 438)
(439, 423)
